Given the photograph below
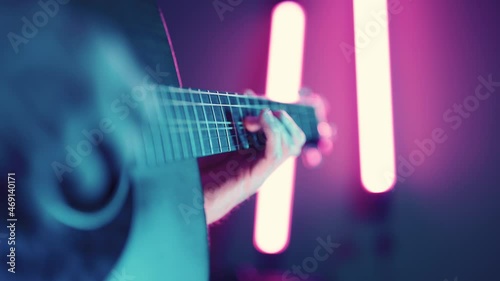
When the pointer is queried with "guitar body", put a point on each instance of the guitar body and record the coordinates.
(87, 208)
(168, 239)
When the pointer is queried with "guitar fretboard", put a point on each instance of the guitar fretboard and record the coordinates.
(187, 123)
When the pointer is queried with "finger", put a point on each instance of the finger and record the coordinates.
(286, 137)
(273, 129)
(252, 123)
(297, 135)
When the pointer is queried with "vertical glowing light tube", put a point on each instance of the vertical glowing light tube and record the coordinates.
(373, 81)
(284, 75)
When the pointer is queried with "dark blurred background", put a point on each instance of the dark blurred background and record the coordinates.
(442, 221)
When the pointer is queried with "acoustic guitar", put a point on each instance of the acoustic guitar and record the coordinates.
(100, 144)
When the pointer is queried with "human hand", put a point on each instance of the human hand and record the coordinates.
(230, 178)
(284, 139)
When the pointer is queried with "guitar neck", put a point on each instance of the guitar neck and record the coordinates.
(187, 123)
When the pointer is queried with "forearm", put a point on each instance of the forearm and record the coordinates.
(220, 200)
(227, 185)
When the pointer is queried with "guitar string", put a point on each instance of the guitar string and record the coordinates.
(170, 89)
(193, 103)
(177, 125)
(184, 104)
(201, 92)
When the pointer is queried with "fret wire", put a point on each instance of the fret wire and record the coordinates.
(203, 104)
(177, 113)
(251, 136)
(203, 153)
(185, 121)
(191, 136)
(239, 103)
(225, 125)
(217, 104)
(213, 138)
(216, 125)
(239, 97)
(249, 97)
(229, 148)
(176, 139)
(242, 112)
(242, 133)
(273, 105)
(233, 121)
(203, 125)
(222, 126)
(225, 118)
(202, 129)
(264, 104)
(206, 123)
